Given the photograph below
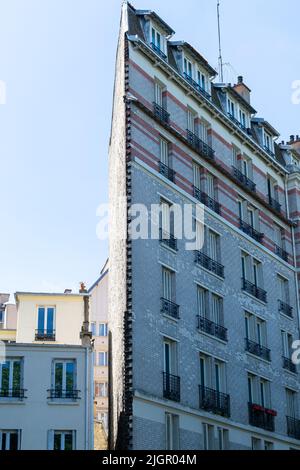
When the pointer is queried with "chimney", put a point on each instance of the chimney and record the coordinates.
(295, 143)
(85, 334)
(242, 89)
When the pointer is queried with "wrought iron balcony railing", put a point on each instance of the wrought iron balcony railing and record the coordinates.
(171, 384)
(293, 427)
(17, 393)
(281, 253)
(158, 51)
(249, 230)
(214, 402)
(272, 154)
(258, 350)
(196, 85)
(167, 239)
(288, 364)
(167, 172)
(244, 179)
(209, 264)
(237, 122)
(211, 328)
(58, 394)
(285, 309)
(261, 417)
(274, 204)
(199, 146)
(207, 200)
(161, 113)
(44, 335)
(170, 308)
(252, 289)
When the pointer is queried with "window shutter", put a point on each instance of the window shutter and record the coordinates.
(50, 440)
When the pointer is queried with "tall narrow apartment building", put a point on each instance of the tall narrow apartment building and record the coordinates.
(201, 341)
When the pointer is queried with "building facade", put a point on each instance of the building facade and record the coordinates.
(46, 376)
(99, 328)
(201, 341)
(8, 319)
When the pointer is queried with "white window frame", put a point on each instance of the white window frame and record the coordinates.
(172, 431)
(105, 326)
(103, 354)
(8, 433)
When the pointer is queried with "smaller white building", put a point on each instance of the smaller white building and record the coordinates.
(46, 376)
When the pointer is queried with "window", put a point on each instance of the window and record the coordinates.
(188, 67)
(11, 378)
(231, 108)
(203, 302)
(197, 174)
(103, 329)
(213, 245)
(168, 284)
(243, 119)
(172, 432)
(2, 319)
(10, 440)
(191, 120)
(235, 154)
(64, 378)
(203, 131)
(246, 167)
(208, 437)
(101, 389)
(212, 373)
(291, 403)
(157, 39)
(259, 391)
(62, 440)
(268, 445)
(165, 152)
(46, 320)
(278, 236)
(167, 224)
(253, 217)
(256, 443)
(211, 186)
(217, 309)
(93, 328)
(268, 142)
(159, 94)
(256, 329)
(283, 289)
(223, 439)
(170, 357)
(287, 342)
(272, 187)
(103, 358)
(252, 270)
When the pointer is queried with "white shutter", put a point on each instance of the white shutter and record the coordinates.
(50, 440)
(166, 217)
(164, 152)
(167, 284)
(158, 94)
(197, 175)
(191, 121)
(203, 132)
(210, 182)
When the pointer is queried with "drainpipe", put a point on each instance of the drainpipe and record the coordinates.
(294, 252)
(86, 336)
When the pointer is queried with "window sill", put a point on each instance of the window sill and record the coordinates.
(258, 358)
(11, 401)
(63, 403)
(168, 317)
(287, 316)
(254, 298)
(163, 245)
(225, 343)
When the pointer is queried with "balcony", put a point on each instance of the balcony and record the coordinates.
(237, 122)
(258, 350)
(211, 328)
(249, 230)
(169, 308)
(59, 394)
(196, 86)
(158, 51)
(44, 335)
(274, 204)
(293, 427)
(161, 113)
(288, 364)
(252, 289)
(203, 149)
(16, 393)
(285, 309)
(167, 239)
(206, 262)
(270, 152)
(214, 402)
(167, 172)
(281, 253)
(243, 179)
(171, 385)
(207, 200)
(261, 417)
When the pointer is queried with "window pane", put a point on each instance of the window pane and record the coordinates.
(57, 441)
(41, 319)
(68, 441)
(17, 375)
(5, 376)
(13, 444)
(50, 320)
(70, 376)
(58, 376)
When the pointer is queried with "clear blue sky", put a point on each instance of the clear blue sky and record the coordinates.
(57, 59)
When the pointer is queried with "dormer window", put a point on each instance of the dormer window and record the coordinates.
(188, 68)
(268, 143)
(231, 108)
(243, 119)
(158, 42)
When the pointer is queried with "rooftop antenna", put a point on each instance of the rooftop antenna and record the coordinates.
(220, 45)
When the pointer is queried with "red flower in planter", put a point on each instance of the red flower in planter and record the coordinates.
(257, 408)
(271, 412)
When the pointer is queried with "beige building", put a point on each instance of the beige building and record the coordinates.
(46, 377)
(99, 328)
(8, 319)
